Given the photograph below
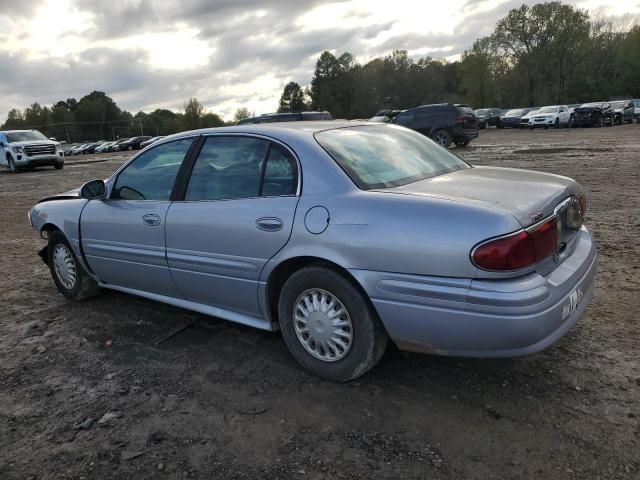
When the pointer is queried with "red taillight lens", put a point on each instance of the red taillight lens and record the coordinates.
(519, 250)
(545, 239)
(583, 205)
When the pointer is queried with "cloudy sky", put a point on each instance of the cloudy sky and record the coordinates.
(148, 54)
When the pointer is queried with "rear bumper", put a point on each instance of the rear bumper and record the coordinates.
(484, 318)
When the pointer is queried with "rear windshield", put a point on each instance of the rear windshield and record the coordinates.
(618, 104)
(381, 156)
(27, 136)
(466, 110)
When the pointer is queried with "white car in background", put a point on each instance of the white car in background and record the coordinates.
(551, 116)
(524, 120)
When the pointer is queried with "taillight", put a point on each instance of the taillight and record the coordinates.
(518, 250)
(583, 205)
(461, 119)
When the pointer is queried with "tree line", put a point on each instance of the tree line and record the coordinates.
(548, 53)
(96, 116)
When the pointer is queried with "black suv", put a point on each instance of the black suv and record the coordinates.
(595, 114)
(488, 117)
(444, 123)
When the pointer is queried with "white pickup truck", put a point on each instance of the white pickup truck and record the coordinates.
(27, 149)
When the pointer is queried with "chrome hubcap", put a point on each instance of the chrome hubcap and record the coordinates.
(323, 325)
(64, 266)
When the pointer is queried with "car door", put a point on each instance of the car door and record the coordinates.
(237, 213)
(123, 236)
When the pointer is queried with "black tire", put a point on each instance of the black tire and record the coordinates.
(12, 165)
(461, 143)
(59, 166)
(500, 125)
(442, 138)
(369, 338)
(556, 124)
(83, 286)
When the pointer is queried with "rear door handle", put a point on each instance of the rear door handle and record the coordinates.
(151, 219)
(269, 224)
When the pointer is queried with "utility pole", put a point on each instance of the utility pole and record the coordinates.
(67, 132)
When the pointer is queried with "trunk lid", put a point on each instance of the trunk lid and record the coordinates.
(527, 195)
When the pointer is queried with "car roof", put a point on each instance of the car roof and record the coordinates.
(274, 129)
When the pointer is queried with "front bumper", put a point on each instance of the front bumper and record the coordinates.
(484, 318)
(22, 160)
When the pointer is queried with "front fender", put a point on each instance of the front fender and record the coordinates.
(63, 215)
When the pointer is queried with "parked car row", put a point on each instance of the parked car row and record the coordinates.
(102, 146)
(593, 114)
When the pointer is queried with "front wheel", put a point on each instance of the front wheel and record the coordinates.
(68, 274)
(556, 124)
(328, 325)
(442, 138)
(12, 165)
(59, 166)
(461, 143)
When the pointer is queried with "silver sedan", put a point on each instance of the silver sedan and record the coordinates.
(342, 235)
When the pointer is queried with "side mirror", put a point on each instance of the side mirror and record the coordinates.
(93, 190)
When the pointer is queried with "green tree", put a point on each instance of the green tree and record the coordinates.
(292, 99)
(241, 114)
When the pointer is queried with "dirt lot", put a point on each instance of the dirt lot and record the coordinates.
(86, 393)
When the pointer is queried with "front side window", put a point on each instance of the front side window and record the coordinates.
(380, 156)
(151, 175)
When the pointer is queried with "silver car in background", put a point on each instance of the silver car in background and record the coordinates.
(341, 235)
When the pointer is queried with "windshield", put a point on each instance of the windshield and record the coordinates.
(548, 110)
(513, 113)
(379, 156)
(26, 136)
(618, 104)
(592, 105)
(482, 111)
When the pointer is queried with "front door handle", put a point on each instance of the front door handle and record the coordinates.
(151, 219)
(269, 224)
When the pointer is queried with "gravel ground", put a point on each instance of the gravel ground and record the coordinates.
(87, 393)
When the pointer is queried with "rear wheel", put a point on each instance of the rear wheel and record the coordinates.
(461, 142)
(328, 325)
(58, 165)
(442, 138)
(556, 124)
(68, 274)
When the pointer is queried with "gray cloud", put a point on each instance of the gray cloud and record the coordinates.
(249, 39)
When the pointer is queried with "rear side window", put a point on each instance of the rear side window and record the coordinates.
(226, 168)
(237, 167)
(280, 173)
(151, 175)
